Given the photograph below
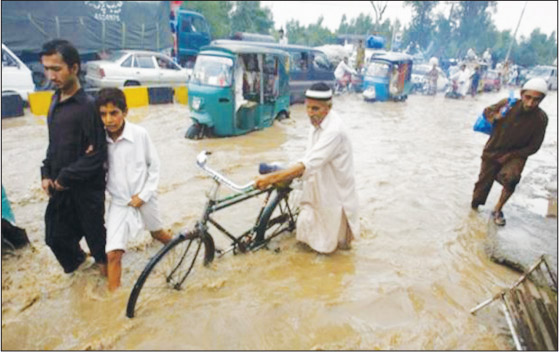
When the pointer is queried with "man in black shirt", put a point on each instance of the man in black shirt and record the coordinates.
(73, 172)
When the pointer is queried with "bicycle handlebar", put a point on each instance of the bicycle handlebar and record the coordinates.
(201, 160)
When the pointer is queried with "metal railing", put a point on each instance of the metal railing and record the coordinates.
(530, 308)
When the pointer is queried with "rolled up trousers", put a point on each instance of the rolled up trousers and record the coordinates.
(508, 175)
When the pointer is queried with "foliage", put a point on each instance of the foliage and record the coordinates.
(469, 25)
(474, 21)
(362, 24)
(538, 49)
(249, 16)
(216, 13)
(314, 35)
(422, 27)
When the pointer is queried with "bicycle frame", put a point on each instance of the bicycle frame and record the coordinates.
(215, 204)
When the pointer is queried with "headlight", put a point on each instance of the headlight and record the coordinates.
(369, 93)
(196, 103)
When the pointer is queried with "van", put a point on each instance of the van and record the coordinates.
(306, 67)
(16, 76)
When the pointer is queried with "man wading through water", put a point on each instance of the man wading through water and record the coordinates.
(329, 207)
(73, 172)
(516, 135)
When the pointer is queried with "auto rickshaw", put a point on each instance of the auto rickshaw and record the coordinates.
(237, 88)
(388, 77)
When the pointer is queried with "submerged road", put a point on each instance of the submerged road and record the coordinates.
(409, 281)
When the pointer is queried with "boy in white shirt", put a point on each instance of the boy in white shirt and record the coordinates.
(132, 181)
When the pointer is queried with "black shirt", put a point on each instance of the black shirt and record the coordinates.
(74, 125)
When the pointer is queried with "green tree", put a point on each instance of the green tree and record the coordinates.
(422, 26)
(314, 35)
(538, 49)
(249, 16)
(474, 20)
(216, 13)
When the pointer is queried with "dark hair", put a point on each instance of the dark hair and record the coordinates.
(63, 47)
(111, 95)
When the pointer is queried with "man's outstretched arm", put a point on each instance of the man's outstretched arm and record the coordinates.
(297, 170)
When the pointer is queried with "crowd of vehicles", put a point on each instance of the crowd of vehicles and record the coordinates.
(279, 73)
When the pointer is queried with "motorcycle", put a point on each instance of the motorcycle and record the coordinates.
(453, 90)
(344, 84)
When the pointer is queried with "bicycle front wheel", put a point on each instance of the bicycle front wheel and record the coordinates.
(279, 216)
(169, 268)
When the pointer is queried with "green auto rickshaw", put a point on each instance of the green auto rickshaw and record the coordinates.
(237, 88)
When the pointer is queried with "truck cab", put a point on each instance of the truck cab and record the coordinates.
(193, 32)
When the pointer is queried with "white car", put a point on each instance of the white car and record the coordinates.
(16, 76)
(547, 73)
(419, 77)
(135, 68)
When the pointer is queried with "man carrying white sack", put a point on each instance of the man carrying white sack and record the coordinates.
(329, 207)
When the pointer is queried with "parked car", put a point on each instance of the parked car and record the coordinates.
(16, 76)
(135, 68)
(419, 78)
(491, 81)
(548, 73)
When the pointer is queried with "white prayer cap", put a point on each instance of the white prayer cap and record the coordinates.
(319, 91)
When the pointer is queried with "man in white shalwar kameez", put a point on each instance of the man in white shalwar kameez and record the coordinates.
(329, 206)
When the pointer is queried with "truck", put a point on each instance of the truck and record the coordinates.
(192, 33)
(93, 27)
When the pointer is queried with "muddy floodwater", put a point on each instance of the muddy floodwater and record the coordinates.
(416, 269)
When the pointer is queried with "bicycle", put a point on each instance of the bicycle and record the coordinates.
(173, 263)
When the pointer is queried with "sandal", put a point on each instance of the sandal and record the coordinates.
(498, 218)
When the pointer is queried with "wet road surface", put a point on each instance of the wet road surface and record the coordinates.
(409, 281)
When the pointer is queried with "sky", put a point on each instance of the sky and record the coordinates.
(542, 14)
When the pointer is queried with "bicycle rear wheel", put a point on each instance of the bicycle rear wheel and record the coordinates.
(279, 216)
(169, 268)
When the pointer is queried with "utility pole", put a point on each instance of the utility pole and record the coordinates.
(516, 30)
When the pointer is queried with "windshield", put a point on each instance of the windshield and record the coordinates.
(420, 70)
(377, 69)
(541, 71)
(213, 71)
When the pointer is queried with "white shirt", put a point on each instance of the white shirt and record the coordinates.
(133, 169)
(133, 165)
(342, 69)
(328, 187)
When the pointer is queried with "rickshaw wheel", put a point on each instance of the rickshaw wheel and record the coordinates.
(282, 115)
(195, 131)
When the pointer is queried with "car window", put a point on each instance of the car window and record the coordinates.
(115, 56)
(8, 60)
(144, 61)
(165, 63)
(128, 62)
(198, 25)
(321, 62)
(299, 61)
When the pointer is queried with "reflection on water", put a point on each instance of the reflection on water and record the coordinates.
(408, 283)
